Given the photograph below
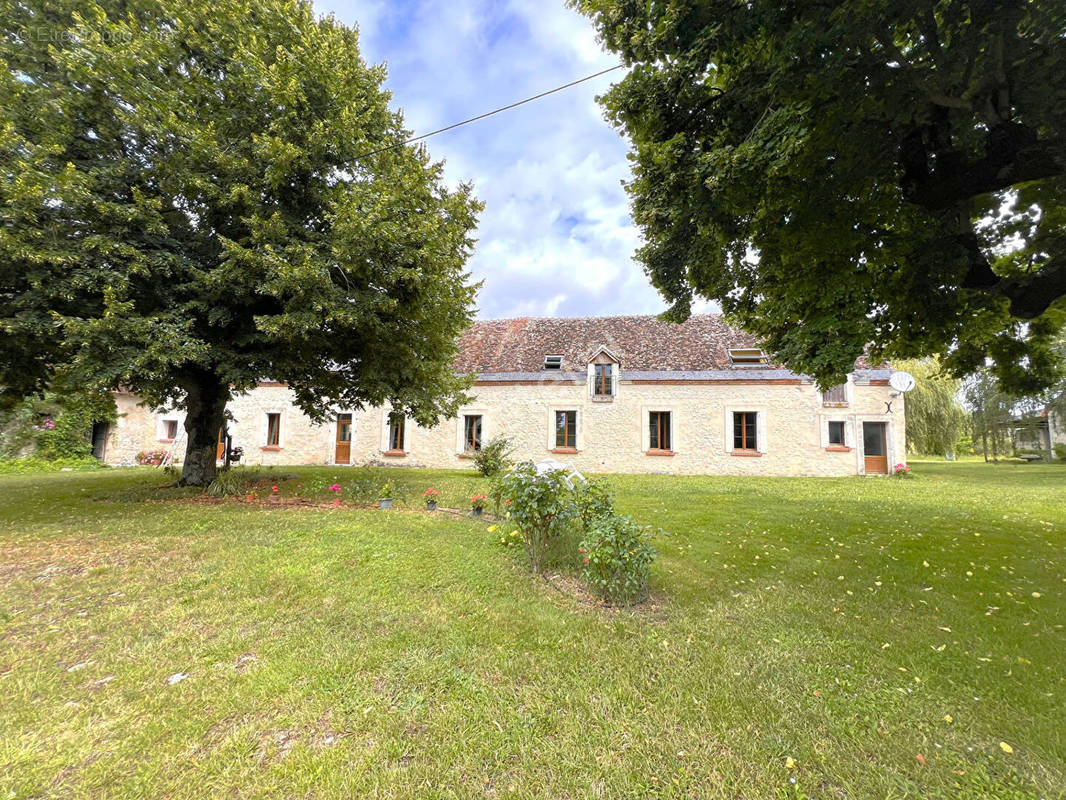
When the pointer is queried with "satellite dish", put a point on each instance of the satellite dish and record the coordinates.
(902, 382)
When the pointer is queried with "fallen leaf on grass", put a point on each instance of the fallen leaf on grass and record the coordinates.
(921, 759)
(1006, 748)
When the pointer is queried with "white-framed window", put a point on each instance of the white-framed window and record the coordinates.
(603, 370)
(273, 436)
(397, 432)
(169, 430)
(565, 429)
(836, 431)
(660, 431)
(745, 430)
(168, 425)
(472, 428)
(272, 428)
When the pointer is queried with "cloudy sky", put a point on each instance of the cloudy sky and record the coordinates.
(555, 237)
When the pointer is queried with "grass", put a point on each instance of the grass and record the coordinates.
(830, 626)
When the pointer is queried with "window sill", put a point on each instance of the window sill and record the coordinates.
(838, 448)
(167, 441)
(270, 447)
(835, 405)
(660, 453)
(746, 453)
(395, 453)
(565, 450)
(467, 454)
(603, 398)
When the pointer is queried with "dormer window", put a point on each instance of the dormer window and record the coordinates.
(747, 357)
(603, 380)
(553, 362)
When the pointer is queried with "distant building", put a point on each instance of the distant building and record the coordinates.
(609, 394)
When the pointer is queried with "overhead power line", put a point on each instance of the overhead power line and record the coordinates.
(490, 113)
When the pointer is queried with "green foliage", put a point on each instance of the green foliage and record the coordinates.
(593, 501)
(1060, 451)
(231, 482)
(386, 491)
(196, 195)
(56, 425)
(618, 555)
(541, 506)
(493, 457)
(22, 466)
(839, 174)
(991, 414)
(935, 418)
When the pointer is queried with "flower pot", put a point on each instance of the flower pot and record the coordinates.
(477, 512)
(336, 502)
(385, 502)
(431, 505)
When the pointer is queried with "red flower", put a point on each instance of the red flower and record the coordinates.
(274, 489)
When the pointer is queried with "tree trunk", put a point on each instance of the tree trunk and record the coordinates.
(205, 414)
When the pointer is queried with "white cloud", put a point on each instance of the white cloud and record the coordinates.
(555, 236)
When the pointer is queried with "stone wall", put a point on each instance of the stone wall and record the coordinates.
(612, 436)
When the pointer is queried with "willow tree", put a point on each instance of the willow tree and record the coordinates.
(199, 195)
(838, 174)
(935, 418)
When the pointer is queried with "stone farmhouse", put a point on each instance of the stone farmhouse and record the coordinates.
(607, 394)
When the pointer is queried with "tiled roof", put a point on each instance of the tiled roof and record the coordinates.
(639, 343)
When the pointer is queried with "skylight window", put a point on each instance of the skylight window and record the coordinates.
(553, 362)
(747, 357)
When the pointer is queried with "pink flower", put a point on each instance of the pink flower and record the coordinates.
(274, 489)
(335, 488)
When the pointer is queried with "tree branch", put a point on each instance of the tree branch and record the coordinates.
(1013, 156)
(1029, 296)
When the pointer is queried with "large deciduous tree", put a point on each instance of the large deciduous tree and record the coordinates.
(836, 174)
(187, 206)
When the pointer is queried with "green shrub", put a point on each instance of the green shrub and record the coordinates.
(494, 456)
(593, 501)
(618, 555)
(22, 466)
(540, 506)
(1060, 451)
(57, 425)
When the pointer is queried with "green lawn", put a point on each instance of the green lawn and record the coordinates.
(831, 625)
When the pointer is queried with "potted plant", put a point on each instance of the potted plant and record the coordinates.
(385, 495)
(477, 504)
(336, 489)
(431, 495)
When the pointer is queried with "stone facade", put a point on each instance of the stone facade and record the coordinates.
(608, 378)
(611, 434)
